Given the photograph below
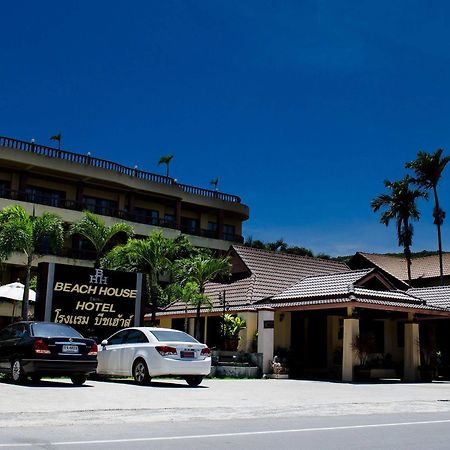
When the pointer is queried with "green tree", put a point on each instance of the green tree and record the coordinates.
(149, 256)
(400, 205)
(93, 228)
(33, 236)
(201, 269)
(165, 160)
(428, 168)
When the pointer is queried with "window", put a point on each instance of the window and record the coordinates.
(143, 215)
(100, 205)
(212, 226)
(189, 225)
(55, 330)
(4, 188)
(172, 336)
(229, 232)
(118, 338)
(45, 196)
(169, 220)
(136, 337)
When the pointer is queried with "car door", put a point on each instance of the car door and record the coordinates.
(109, 356)
(134, 340)
(5, 347)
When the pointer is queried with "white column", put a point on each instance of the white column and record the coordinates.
(411, 359)
(265, 336)
(349, 357)
(191, 326)
(248, 334)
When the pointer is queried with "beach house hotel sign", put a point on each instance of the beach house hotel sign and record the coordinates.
(96, 302)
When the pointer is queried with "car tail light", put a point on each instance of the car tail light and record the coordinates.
(93, 350)
(206, 352)
(165, 350)
(41, 347)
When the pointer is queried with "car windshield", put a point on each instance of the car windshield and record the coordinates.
(54, 330)
(172, 336)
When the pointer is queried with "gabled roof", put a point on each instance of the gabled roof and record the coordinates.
(436, 295)
(267, 273)
(273, 271)
(347, 284)
(425, 267)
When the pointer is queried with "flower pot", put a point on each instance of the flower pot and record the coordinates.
(426, 373)
(231, 344)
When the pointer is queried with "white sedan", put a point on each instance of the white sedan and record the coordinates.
(146, 352)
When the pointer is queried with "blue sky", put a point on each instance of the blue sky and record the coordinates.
(302, 108)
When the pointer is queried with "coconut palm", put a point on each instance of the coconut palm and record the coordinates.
(92, 228)
(149, 256)
(428, 168)
(201, 269)
(400, 204)
(33, 236)
(165, 160)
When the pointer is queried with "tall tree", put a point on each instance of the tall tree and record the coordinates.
(201, 269)
(428, 168)
(94, 229)
(149, 256)
(400, 205)
(33, 236)
(165, 160)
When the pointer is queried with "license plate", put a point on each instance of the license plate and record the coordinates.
(70, 348)
(187, 354)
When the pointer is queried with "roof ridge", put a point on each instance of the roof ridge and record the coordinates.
(337, 273)
(274, 252)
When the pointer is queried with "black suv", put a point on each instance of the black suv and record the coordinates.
(39, 349)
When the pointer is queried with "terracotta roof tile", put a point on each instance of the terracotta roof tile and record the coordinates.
(426, 267)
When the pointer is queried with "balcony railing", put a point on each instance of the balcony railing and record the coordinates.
(110, 212)
(88, 160)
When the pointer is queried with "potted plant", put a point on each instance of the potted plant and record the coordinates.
(279, 368)
(363, 345)
(231, 326)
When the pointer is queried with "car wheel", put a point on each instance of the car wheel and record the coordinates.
(35, 378)
(17, 373)
(78, 380)
(194, 380)
(140, 372)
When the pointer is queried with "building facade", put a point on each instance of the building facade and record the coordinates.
(45, 179)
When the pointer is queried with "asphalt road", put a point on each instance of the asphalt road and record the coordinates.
(262, 414)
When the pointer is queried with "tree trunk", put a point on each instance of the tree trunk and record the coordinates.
(438, 220)
(197, 323)
(26, 289)
(407, 252)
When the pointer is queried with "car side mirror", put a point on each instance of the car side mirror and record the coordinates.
(104, 343)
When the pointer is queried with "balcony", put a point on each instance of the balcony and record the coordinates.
(87, 160)
(111, 212)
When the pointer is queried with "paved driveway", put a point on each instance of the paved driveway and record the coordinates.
(59, 402)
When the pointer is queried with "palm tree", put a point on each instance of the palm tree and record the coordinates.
(149, 256)
(400, 205)
(428, 168)
(165, 160)
(92, 228)
(201, 269)
(33, 236)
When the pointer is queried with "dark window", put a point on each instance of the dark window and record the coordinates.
(229, 232)
(212, 226)
(172, 336)
(189, 225)
(100, 206)
(54, 330)
(118, 338)
(169, 219)
(45, 196)
(136, 337)
(20, 330)
(4, 187)
(143, 215)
